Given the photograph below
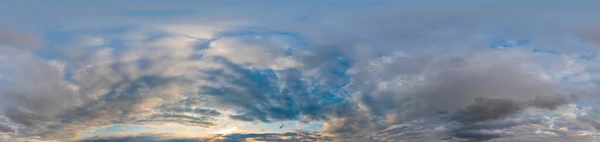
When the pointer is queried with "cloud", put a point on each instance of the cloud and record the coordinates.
(33, 91)
(293, 136)
(480, 88)
(131, 86)
(426, 75)
(13, 38)
(591, 34)
(486, 109)
(209, 112)
(550, 101)
(263, 56)
(268, 95)
(139, 138)
(6, 128)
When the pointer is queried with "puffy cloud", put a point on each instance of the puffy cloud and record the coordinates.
(470, 90)
(33, 92)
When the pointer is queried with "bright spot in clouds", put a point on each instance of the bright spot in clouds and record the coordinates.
(226, 131)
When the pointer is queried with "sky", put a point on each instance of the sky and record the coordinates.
(364, 71)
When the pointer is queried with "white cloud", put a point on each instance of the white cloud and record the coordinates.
(253, 55)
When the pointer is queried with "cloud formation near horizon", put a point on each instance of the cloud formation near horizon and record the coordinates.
(343, 71)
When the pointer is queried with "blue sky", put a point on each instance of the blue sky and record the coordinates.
(184, 70)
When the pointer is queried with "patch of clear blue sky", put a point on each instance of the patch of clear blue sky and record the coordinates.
(116, 129)
(509, 43)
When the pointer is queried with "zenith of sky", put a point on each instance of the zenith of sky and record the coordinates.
(299, 70)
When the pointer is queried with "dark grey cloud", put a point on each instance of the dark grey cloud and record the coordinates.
(33, 92)
(5, 128)
(13, 38)
(486, 109)
(551, 101)
(476, 121)
(490, 129)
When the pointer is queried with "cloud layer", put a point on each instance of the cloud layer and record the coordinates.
(457, 73)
